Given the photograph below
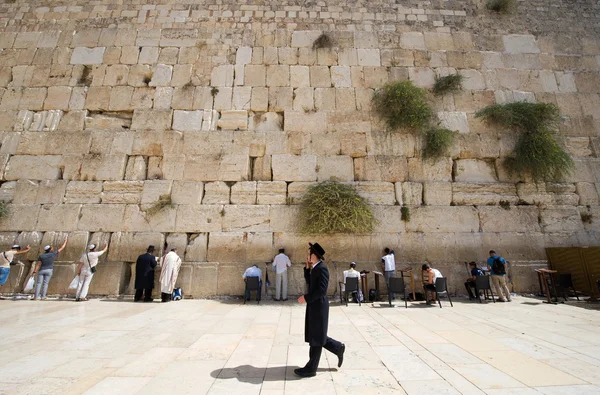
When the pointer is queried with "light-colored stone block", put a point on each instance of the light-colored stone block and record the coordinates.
(520, 43)
(409, 193)
(588, 194)
(187, 121)
(106, 167)
(243, 55)
(222, 75)
(424, 170)
(233, 120)
(83, 55)
(101, 217)
(243, 192)
(294, 168)
(271, 192)
(381, 168)
(152, 119)
(199, 218)
(473, 170)
(216, 192)
(368, 57)
(422, 76)
(412, 40)
(278, 75)
(162, 75)
(320, 77)
(377, 193)
(456, 121)
(58, 217)
(44, 167)
(434, 219)
(299, 76)
(557, 219)
(483, 194)
(83, 192)
(187, 192)
(437, 193)
(246, 247)
(247, 218)
(304, 38)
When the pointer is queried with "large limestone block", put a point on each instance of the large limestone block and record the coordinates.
(412, 40)
(187, 121)
(335, 168)
(284, 218)
(83, 55)
(42, 167)
(243, 192)
(381, 168)
(437, 193)
(22, 217)
(51, 192)
(483, 194)
(454, 120)
(212, 168)
(588, 194)
(110, 279)
(83, 192)
(123, 192)
(247, 218)
(271, 192)
(560, 219)
(105, 167)
(389, 219)
(197, 247)
(187, 192)
(296, 191)
(420, 170)
(149, 216)
(199, 218)
(8, 192)
(36, 143)
(222, 75)
(204, 280)
(305, 38)
(137, 168)
(76, 245)
(247, 247)
(443, 219)
(377, 193)
(534, 194)
(233, 120)
(216, 192)
(520, 43)
(409, 193)
(294, 168)
(473, 170)
(516, 219)
(101, 217)
(58, 217)
(295, 121)
(32, 239)
(127, 246)
(153, 190)
(278, 75)
(151, 119)
(62, 275)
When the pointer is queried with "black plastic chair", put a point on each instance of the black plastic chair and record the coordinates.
(441, 287)
(351, 286)
(396, 285)
(252, 284)
(565, 281)
(482, 283)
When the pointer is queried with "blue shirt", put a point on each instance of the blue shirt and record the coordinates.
(490, 263)
(476, 272)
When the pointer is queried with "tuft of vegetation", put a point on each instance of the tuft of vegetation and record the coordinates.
(332, 207)
(403, 105)
(448, 84)
(586, 217)
(437, 142)
(505, 204)
(323, 41)
(537, 151)
(501, 6)
(86, 77)
(163, 202)
(214, 91)
(4, 210)
(405, 213)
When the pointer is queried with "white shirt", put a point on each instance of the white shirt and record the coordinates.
(351, 273)
(281, 263)
(93, 257)
(436, 274)
(390, 263)
(6, 258)
(252, 271)
(314, 265)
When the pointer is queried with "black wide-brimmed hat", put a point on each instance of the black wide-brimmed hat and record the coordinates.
(317, 250)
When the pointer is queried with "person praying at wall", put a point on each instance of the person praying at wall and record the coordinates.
(171, 263)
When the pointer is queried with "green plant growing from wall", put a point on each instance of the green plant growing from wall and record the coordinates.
(405, 213)
(448, 84)
(537, 152)
(332, 207)
(323, 41)
(403, 105)
(501, 6)
(437, 142)
(586, 217)
(4, 209)
(163, 202)
(505, 204)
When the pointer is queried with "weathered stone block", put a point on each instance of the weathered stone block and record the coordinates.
(197, 247)
(187, 192)
(443, 219)
(51, 192)
(162, 75)
(413, 40)
(247, 247)
(271, 192)
(199, 218)
(247, 218)
(296, 121)
(483, 194)
(381, 168)
(62, 217)
(560, 219)
(222, 75)
(243, 192)
(409, 193)
(534, 194)
(233, 120)
(44, 167)
(377, 193)
(153, 190)
(520, 43)
(216, 192)
(83, 192)
(588, 194)
(304, 38)
(456, 121)
(101, 217)
(424, 170)
(105, 167)
(187, 121)
(136, 169)
(83, 55)
(152, 119)
(472, 170)
(335, 168)
(127, 246)
(123, 192)
(294, 168)
(516, 219)
(437, 193)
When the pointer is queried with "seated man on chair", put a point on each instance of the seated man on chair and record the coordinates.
(429, 277)
(475, 271)
(253, 271)
(353, 273)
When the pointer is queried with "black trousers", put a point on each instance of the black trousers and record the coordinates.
(314, 354)
(165, 297)
(468, 285)
(147, 295)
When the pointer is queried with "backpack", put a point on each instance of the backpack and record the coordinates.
(498, 267)
(177, 294)
(372, 295)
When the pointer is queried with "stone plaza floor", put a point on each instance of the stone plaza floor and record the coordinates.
(224, 347)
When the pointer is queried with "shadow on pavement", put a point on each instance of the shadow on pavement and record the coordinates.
(256, 375)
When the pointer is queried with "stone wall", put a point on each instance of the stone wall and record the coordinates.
(226, 110)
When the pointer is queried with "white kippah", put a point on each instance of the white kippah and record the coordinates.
(92, 246)
(46, 248)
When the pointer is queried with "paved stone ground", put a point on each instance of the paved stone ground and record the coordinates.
(223, 347)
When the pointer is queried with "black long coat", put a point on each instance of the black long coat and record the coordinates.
(144, 271)
(317, 305)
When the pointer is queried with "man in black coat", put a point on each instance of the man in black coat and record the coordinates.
(144, 275)
(317, 313)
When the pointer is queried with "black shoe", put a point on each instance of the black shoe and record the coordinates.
(340, 355)
(302, 372)
(284, 299)
(277, 300)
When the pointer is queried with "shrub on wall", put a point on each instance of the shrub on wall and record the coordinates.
(502, 6)
(3, 209)
(448, 84)
(437, 142)
(537, 152)
(332, 207)
(403, 105)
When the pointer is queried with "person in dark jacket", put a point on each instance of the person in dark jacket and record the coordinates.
(317, 313)
(144, 275)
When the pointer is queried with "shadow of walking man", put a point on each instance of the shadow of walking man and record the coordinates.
(257, 375)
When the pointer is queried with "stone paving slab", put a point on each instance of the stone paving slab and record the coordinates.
(223, 347)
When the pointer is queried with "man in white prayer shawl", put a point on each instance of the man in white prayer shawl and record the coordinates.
(171, 263)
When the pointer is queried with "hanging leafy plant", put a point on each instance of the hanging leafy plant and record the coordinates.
(403, 105)
(332, 207)
(448, 84)
(437, 142)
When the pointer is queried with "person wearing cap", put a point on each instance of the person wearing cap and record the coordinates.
(6, 259)
(353, 273)
(171, 263)
(144, 275)
(87, 261)
(44, 269)
(317, 313)
(280, 265)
